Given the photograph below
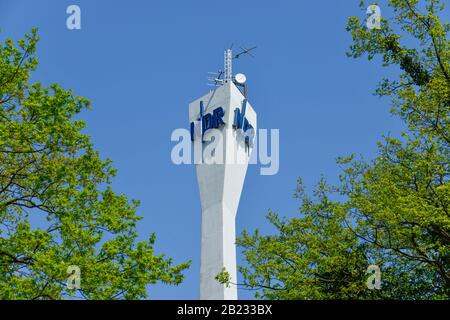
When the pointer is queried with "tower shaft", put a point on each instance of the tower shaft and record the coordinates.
(220, 179)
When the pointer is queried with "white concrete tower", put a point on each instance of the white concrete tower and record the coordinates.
(222, 118)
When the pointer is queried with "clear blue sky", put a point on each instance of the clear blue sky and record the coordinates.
(142, 62)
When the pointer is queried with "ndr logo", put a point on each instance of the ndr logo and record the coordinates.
(214, 121)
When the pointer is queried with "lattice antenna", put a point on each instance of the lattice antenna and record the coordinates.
(216, 77)
(228, 65)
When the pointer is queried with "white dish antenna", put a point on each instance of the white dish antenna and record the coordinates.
(240, 78)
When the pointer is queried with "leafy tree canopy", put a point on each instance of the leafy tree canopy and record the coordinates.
(49, 170)
(392, 211)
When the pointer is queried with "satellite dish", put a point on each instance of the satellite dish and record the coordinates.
(240, 78)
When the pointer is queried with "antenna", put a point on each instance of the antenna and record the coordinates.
(245, 51)
(217, 80)
(228, 65)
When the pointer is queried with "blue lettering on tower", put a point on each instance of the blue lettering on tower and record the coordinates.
(241, 122)
(208, 121)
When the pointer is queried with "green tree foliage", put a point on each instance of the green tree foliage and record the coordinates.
(392, 211)
(50, 171)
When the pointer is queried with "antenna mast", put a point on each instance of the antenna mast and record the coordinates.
(228, 68)
(228, 65)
